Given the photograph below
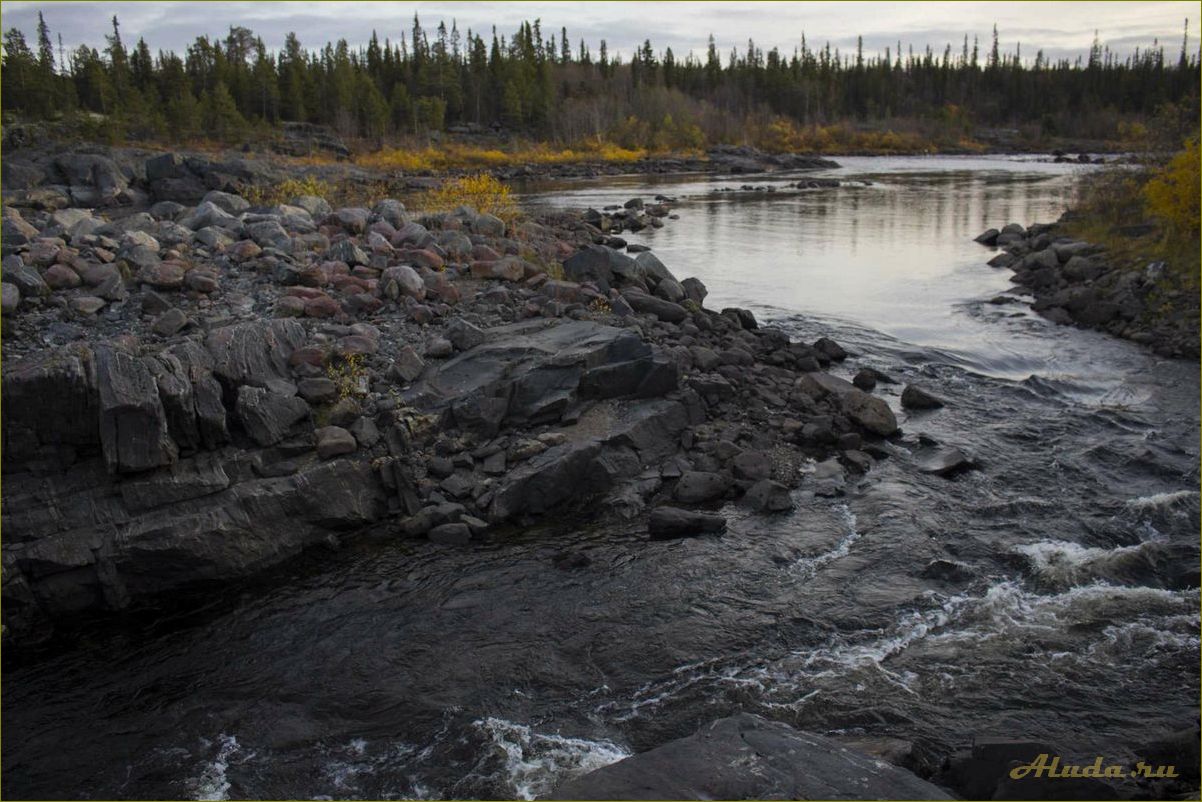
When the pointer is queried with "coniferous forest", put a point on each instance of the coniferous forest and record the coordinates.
(546, 85)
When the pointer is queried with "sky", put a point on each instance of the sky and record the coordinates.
(1060, 29)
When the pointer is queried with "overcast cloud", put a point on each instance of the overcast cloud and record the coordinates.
(1059, 29)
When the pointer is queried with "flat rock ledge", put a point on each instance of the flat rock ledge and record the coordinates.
(748, 757)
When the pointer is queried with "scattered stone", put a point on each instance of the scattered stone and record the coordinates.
(752, 465)
(333, 441)
(464, 335)
(10, 297)
(61, 277)
(452, 534)
(696, 487)
(86, 304)
(169, 323)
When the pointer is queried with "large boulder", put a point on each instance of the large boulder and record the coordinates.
(266, 416)
(256, 353)
(598, 264)
(133, 423)
(748, 757)
(869, 411)
(610, 438)
(696, 487)
(536, 369)
(50, 399)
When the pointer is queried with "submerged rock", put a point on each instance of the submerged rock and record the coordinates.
(671, 522)
(914, 397)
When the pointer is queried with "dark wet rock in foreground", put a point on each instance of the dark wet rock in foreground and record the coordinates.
(748, 757)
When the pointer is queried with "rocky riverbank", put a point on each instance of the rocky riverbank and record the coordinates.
(58, 176)
(197, 393)
(1076, 282)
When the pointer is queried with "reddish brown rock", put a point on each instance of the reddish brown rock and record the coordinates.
(61, 277)
(322, 306)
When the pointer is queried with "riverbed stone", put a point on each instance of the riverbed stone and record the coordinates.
(696, 487)
(915, 397)
(869, 411)
(673, 522)
(768, 496)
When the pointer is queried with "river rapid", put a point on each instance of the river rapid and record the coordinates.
(1066, 610)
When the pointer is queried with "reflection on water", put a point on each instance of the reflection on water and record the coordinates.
(896, 255)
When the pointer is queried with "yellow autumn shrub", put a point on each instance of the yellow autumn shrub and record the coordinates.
(1172, 193)
(482, 192)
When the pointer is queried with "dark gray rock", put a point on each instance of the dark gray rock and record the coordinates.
(10, 297)
(768, 496)
(830, 349)
(256, 353)
(671, 522)
(133, 424)
(333, 441)
(317, 390)
(870, 412)
(987, 237)
(748, 757)
(451, 534)
(463, 335)
(191, 478)
(408, 365)
(828, 478)
(366, 433)
(942, 460)
(531, 370)
(267, 416)
(347, 251)
(50, 399)
(663, 309)
(596, 263)
(169, 323)
(914, 397)
(753, 465)
(696, 487)
(578, 468)
(655, 270)
(694, 290)
(25, 278)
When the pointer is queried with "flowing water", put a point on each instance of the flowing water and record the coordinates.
(402, 669)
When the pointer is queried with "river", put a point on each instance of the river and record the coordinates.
(393, 668)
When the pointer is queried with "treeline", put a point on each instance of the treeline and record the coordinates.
(551, 88)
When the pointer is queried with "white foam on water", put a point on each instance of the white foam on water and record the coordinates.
(807, 567)
(1008, 611)
(212, 782)
(1066, 563)
(1163, 501)
(535, 762)
(352, 761)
